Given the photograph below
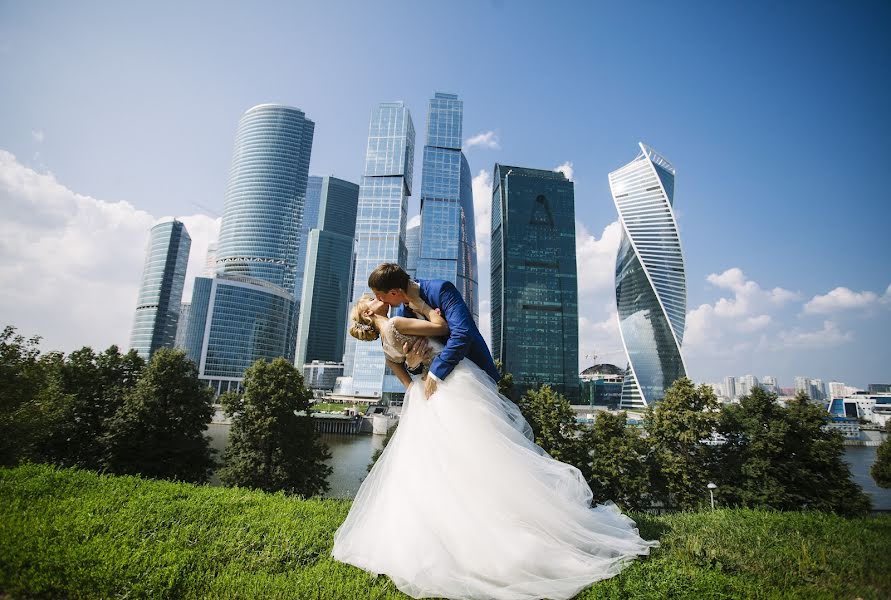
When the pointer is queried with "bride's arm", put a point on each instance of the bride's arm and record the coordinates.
(400, 372)
(435, 326)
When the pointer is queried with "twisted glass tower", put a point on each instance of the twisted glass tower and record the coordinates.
(163, 277)
(651, 287)
(380, 234)
(447, 236)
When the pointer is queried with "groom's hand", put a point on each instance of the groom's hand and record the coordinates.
(414, 352)
(429, 386)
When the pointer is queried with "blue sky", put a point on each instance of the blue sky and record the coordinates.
(775, 115)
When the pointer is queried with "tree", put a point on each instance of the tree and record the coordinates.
(881, 468)
(377, 453)
(506, 383)
(159, 429)
(553, 422)
(22, 377)
(783, 458)
(271, 447)
(617, 466)
(676, 426)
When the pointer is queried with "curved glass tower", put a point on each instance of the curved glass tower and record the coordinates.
(163, 277)
(263, 210)
(651, 287)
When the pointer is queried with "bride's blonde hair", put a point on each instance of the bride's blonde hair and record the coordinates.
(363, 326)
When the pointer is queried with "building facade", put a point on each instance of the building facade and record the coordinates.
(534, 279)
(248, 311)
(730, 388)
(184, 309)
(161, 291)
(651, 287)
(380, 236)
(447, 237)
(326, 278)
(413, 249)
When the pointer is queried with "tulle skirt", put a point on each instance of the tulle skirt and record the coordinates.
(462, 504)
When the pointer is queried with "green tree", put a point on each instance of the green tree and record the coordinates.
(676, 427)
(159, 429)
(881, 468)
(377, 453)
(783, 458)
(553, 422)
(271, 447)
(22, 377)
(506, 383)
(617, 466)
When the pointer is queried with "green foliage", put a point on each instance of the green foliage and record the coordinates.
(675, 427)
(377, 453)
(506, 383)
(881, 468)
(781, 458)
(553, 422)
(22, 378)
(617, 466)
(270, 446)
(75, 534)
(159, 429)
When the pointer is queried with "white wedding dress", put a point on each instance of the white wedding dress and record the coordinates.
(462, 504)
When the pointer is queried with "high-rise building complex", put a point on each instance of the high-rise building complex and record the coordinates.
(248, 310)
(413, 249)
(730, 388)
(534, 279)
(447, 237)
(380, 235)
(210, 260)
(184, 309)
(746, 384)
(161, 292)
(769, 383)
(651, 287)
(328, 267)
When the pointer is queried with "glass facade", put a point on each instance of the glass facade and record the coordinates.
(193, 342)
(263, 209)
(651, 289)
(380, 233)
(161, 291)
(310, 221)
(325, 301)
(182, 325)
(534, 279)
(447, 237)
(413, 249)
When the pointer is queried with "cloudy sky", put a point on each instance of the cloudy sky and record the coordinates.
(113, 115)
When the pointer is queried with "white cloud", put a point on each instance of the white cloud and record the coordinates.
(413, 222)
(71, 265)
(747, 295)
(486, 139)
(840, 299)
(566, 169)
(830, 335)
(596, 259)
(37, 135)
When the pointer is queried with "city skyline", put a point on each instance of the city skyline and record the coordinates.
(778, 280)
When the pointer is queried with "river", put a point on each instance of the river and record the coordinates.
(350, 455)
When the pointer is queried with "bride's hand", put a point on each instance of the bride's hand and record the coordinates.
(415, 353)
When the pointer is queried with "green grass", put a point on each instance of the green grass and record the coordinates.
(74, 534)
(338, 407)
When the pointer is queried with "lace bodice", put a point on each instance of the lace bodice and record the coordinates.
(393, 341)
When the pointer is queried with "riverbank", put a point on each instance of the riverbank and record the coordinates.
(71, 533)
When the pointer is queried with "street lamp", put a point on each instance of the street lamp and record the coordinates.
(711, 492)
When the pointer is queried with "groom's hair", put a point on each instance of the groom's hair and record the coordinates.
(388, 276)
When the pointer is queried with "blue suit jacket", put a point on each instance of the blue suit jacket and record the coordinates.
(464, 337)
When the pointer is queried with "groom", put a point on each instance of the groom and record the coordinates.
(391, 285)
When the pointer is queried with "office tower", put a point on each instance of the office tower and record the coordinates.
(803, 384)
(210, 260)
(248, 310)
(413, 249)
(730, 388)
(879, 388)
(837, 390)
(161, 292)
(769, 384)
(310, 221)
(447, 237)
(380, 235)
(184, 309)
(328, 267)
(746, 384)
(534, 280)
(818, 390)
(651, 287)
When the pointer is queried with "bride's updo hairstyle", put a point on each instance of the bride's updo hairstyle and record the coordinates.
(363, 326)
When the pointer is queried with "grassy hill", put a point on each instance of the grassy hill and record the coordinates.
(75, 534)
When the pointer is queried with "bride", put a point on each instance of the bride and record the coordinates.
(462, 503)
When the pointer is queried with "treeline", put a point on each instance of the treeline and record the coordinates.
(111, 412)
(773, 456)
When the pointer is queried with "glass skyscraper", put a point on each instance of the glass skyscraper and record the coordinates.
(249, 310)
(651, 287)
(310, 221)
(380, 234)
(413, 249)
(161, 292)
(328, 268)
(534, 279)
(447, 236)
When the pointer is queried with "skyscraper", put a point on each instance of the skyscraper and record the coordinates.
(310, 221)
(651, 287)
(380, 234)
(161, 292)
(534, 279)
(747, 383)
(730, 388)
(447, 237)
(769, 383)
(328, 267)
(249, 310)
(185, 308)
(413, 249)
